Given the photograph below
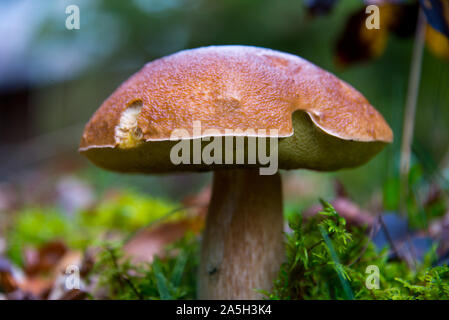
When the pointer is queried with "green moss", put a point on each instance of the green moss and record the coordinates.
(37, 226)
(129, 211)
(124, 213)
(326, 261)
(173, 277)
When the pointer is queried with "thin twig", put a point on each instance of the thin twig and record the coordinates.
(411, 102)
(388, 236)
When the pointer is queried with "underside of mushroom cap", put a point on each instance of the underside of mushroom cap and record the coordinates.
(322, 122)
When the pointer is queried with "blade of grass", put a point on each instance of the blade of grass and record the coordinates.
(178, 270)
(161, 281)
(344, 283)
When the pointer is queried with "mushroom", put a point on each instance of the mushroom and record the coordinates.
(320, 122)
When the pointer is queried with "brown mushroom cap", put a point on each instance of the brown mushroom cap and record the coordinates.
(323, 123)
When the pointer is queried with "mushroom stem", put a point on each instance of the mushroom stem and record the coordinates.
(242, 247)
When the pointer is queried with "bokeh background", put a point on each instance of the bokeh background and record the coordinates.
(53, 79)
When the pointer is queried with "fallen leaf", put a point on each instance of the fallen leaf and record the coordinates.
(149, 242)
(68, 267)
(7, 281)
(20, 295)
(45, 258)
(199, 203)
(39, 287)
(74, 294)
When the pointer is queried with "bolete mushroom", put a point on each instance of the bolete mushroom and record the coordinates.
(321, 123)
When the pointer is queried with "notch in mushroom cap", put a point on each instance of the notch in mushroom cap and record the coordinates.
(322, 123)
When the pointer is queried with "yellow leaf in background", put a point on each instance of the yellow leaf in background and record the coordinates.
(437, 43)
(358, 43)
(375, 41)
